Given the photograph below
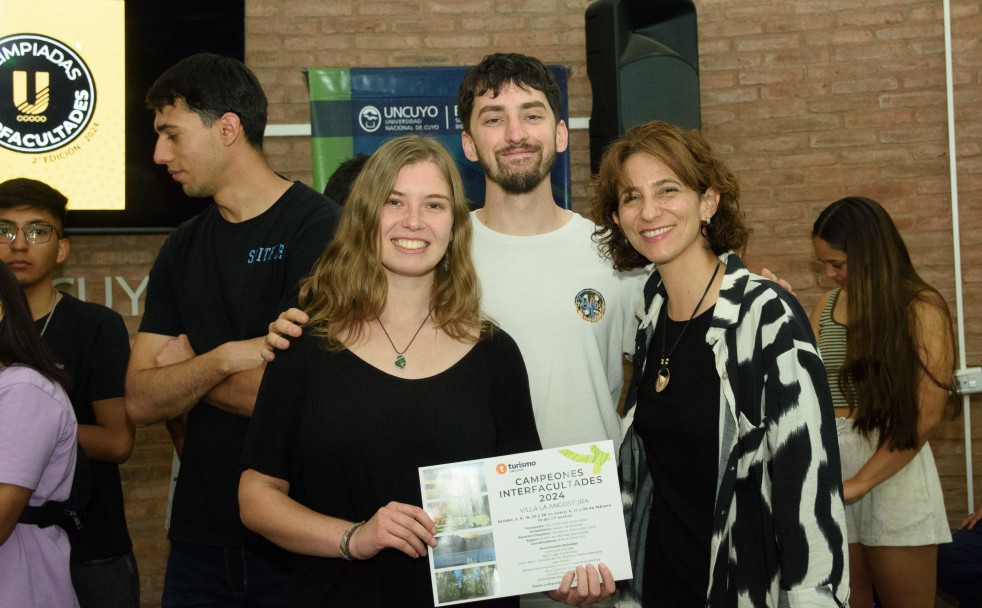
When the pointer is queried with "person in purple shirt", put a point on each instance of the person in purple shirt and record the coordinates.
(37, 458)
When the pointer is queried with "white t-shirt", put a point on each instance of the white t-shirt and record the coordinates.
(573, 318)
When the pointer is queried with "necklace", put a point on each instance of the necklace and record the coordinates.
(51, 312)
(663, 374)
(400, 360)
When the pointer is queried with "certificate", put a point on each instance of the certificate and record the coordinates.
(516, 524)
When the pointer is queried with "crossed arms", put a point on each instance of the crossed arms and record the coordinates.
(166, 378)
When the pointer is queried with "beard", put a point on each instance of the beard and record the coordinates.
(194, 191)
(519, 179)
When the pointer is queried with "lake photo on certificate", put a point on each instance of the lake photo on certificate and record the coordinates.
(463, 548)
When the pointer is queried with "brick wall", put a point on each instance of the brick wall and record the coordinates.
(810, 101)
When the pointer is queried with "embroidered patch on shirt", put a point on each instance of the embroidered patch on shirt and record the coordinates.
(590, 305)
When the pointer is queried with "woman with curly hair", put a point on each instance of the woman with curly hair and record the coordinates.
(729, 465)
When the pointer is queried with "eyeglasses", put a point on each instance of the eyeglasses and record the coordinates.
(35, 234)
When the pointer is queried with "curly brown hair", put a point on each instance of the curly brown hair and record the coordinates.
(691, 157)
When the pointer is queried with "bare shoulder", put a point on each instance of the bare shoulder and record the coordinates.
(816, 311)
(932, 331)
(930, 313)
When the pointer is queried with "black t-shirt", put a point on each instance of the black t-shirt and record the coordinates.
(679, 428)
(349, 438)
(91, 343)
(218, 282)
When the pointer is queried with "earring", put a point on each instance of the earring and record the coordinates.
(707, 222)
(446, 261)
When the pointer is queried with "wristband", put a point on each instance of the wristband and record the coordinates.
(346, 540)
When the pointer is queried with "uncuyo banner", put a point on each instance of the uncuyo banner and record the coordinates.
(355, 110)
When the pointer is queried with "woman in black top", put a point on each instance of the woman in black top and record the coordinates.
(730, 466)
(397, 370)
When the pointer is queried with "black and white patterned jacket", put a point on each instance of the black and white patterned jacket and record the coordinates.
(779, 529)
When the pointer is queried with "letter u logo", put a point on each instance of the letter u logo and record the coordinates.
(41, 92)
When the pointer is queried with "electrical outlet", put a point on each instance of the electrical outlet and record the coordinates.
(968, 381)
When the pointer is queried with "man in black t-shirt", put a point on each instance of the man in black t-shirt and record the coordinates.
(217, 282)
(91, 343)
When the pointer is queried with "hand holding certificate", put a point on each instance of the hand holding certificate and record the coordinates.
(398, 526)
(525, 523)
(593, 583)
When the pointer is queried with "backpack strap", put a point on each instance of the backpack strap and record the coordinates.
(69, 513)
(52, 513)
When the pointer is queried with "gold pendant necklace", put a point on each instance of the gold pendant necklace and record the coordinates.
(400, 359)
(661, 381)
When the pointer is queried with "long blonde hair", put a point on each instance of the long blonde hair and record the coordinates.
(348, 286)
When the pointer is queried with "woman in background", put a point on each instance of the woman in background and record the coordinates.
(396, 370)
(729, 466)
(886, 339)
(37, 458)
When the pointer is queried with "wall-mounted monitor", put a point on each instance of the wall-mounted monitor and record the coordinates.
(73, 78)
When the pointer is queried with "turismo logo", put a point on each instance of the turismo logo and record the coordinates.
(503, 468)
(47, 94)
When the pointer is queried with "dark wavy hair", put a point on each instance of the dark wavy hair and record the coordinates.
(211, 85)
(20, 342)
(880, 374)
(500, 69)
(31, 193)
(693, 160)
(339, 184)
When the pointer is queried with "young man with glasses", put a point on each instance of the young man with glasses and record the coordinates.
(91, 342)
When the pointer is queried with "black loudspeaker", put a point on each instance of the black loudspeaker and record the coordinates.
(642, 57)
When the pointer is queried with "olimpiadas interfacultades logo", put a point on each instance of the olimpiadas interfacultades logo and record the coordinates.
(47, 94)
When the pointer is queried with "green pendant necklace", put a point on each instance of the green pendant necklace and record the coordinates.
(400, 359)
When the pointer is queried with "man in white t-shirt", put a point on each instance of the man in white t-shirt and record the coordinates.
(543, 279)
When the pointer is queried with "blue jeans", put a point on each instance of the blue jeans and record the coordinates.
(107, 583)
(960, 567)
(225, 577)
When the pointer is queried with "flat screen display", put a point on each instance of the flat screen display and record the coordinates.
(73, 78)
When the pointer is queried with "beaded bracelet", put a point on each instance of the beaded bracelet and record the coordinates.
(346, 540)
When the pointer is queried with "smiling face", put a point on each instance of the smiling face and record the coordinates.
(192, 151)
(833, 261)
(515, 137)
(32, 264)
(660, 216)
(416, 223)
